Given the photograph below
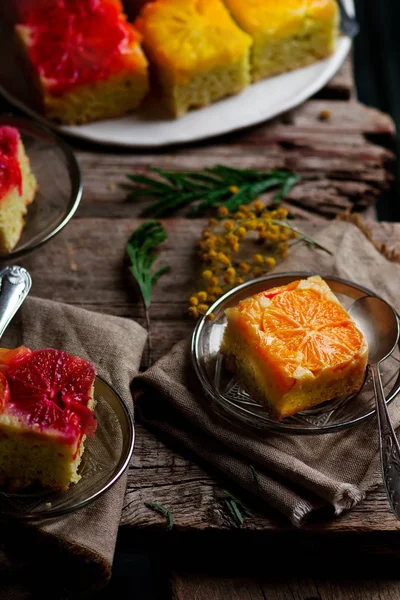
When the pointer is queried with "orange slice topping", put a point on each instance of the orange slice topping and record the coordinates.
(305, 321)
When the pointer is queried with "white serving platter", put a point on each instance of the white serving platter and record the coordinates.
(148, 127)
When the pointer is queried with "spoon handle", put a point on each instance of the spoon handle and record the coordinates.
(15, 283)
(348, 24)
(390, 449)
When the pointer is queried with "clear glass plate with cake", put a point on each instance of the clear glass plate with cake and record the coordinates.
(282, 352)
(40, 186)
(65, 435)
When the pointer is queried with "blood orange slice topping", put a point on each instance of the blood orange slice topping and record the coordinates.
(10, 171)
(53, 388)
(76, 42)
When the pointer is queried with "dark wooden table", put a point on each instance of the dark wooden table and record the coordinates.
(342, 151)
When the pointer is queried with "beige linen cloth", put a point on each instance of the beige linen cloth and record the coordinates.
(58, 557)
(294, 474)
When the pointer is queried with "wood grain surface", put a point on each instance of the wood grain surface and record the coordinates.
(339, 160)
(196, 588)
(345, 162)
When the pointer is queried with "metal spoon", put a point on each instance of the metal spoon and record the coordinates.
(380, 326)
(15, 283)
(348, 24)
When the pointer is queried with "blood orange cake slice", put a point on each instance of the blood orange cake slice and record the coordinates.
(294, 347)
(46, 412)
(85, 58)
(17, 187)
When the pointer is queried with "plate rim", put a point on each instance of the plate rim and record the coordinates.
(57, 512)
(32, 128)
(209, 390)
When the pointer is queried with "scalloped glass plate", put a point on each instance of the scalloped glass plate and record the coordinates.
(59, 185)
(105, 458)
(226, 396)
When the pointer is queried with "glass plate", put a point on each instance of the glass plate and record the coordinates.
(105, 458)
(231, 401)
(59, 185)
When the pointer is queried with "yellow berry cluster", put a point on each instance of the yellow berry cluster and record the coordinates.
(224, 255)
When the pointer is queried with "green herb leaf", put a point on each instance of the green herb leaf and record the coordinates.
(209, 188)
(236, 509)
(141, 249)
(163, 511)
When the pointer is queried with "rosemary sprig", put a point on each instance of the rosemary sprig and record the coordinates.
(213, 187)
(236, 508)
(141, 249)
(163, 511)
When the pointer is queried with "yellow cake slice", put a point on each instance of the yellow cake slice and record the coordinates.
(197, 51)
(294, 347)
(17, 188)
(85, 59)
(46, 412)
(287, 34)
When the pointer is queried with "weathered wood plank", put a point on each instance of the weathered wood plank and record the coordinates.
(70, 269)
(342, 85)
(338, 160)
(212, 588)
(195, 587)
(195, 497)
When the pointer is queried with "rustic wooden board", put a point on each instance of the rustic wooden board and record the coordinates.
(213, 588)
(340, 163)
(345, 162)
(71, 269)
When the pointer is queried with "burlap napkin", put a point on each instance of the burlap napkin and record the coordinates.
(294, 474)
(70, 554)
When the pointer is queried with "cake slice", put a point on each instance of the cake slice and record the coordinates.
(294, 347)
(17, 187)
(85, 58)
(46, 412)
(287, 34)
(197, 51)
